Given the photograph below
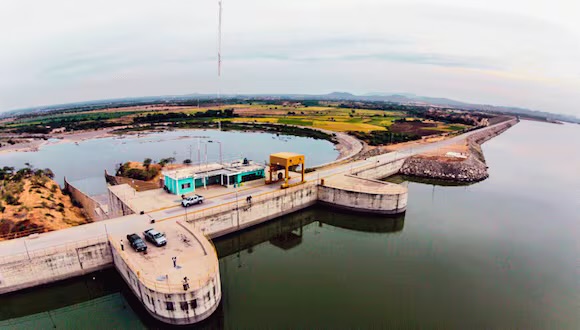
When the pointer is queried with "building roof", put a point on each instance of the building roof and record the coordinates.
(212, 170)
(286, 154)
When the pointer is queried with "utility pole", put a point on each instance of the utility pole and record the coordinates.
(198, 153)
(237, 208)
(219, 59)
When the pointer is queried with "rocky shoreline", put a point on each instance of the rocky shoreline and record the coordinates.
(471, 169)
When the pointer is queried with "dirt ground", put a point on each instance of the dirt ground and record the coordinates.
(30, 145)
(41, 209)
(415, 128)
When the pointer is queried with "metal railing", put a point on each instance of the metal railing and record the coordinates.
(43, 252)
(163, 286)
(237, 203)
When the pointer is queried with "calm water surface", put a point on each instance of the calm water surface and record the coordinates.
(84, 164)
(502, 253)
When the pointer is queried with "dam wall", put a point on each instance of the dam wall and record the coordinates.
(42, 266)
(380, 170)
(92, 209)
(364, 201)
(238, 215)
(489, 133)
(471, 169)
(170, 303)
(117, 207)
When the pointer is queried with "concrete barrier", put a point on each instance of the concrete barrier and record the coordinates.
(393, 200)
(91, 208)
(229, 218)
(43, 266)
(117, 207)
(380, 170)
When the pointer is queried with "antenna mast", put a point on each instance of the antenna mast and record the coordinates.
(219, 44)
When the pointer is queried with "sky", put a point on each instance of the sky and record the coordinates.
(504, 52)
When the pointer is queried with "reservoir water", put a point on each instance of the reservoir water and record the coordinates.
(84, 163)
(502, 253)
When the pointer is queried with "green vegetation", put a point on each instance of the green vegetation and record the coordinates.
(81, 121)
(12, 182)
(181, 116)
(145, 171)
(144, 174)
(375, 122)
(165, 161)
(377, 138)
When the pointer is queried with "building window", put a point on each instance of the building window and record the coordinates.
(169, 305)
(184, 305)
(193, 304)
(185, 185)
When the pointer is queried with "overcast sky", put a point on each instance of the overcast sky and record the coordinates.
(505, 52)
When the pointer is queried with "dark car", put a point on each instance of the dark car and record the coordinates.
(155, 237)
(137, 243)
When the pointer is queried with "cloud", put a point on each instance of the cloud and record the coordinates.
(64, 51)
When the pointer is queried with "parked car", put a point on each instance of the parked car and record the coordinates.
(192, 200)
(137, 243)
(155, 237)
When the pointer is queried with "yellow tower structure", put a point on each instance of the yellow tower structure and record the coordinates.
(288, 161)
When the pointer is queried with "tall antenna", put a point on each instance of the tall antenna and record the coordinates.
(220, 39)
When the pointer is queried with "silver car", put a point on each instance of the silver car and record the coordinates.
(155, 237)
(192, 200)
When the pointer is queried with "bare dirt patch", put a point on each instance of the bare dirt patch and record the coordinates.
(415, 128)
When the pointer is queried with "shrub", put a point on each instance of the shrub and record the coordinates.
(147, 162)
(11, 199)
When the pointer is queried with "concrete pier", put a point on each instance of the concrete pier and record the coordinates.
(353, 193)
(183, 290)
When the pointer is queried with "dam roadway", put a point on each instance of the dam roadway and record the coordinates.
(48, 257)
(126, 223)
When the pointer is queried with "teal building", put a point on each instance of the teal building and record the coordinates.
(186, 180)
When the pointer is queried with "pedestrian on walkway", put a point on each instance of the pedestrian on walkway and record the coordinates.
(174, 262)
(122, 246)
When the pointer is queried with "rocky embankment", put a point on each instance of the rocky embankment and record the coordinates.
(471, 169)
(442, 167)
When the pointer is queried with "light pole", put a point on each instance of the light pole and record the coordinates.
(237, 209)
(220, 144)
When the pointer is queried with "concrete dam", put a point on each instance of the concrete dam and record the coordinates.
(180, 282)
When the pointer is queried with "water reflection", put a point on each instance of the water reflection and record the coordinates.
(400, 178)
(287, 232)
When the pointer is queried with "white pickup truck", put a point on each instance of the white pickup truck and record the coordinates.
(192, 200)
